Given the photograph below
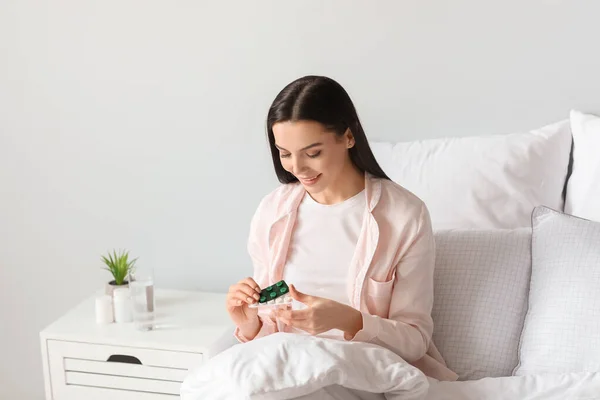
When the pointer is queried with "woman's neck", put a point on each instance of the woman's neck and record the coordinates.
(353, 184)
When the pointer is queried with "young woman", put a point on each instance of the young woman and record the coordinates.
(356, 248)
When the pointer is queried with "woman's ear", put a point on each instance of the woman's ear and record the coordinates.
(349, 137)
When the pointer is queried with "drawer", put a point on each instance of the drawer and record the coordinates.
(97, 371)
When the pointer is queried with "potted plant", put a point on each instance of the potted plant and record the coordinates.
(119, 265)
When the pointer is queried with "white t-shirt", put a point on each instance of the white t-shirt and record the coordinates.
(322, 246)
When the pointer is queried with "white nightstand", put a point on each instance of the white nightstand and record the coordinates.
(83, 360)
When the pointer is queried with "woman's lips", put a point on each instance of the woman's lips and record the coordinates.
(308, 181)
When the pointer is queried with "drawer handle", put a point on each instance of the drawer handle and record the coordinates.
(124, 359)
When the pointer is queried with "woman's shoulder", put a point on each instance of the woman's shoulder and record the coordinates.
(398, 200)
(281, 194)
(398, 193)
(278, 200)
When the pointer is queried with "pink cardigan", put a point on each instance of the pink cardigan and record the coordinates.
(390, 278)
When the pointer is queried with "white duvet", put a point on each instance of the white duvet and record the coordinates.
(286, 366)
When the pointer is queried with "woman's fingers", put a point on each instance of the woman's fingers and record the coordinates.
(306, 325)
(237, 298)
(252, 283)
(296, 315)
(245, 291)
(248, 291)
(234, 302)
(300, 319)
(242, 297)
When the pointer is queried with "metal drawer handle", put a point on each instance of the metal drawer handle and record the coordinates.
(124, 359)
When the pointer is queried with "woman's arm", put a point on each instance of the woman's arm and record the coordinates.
(264, 325)
(407, 330)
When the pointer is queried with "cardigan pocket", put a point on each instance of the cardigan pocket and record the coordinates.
(379, 296)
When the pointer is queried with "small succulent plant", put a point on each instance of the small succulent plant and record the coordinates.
(119, 265)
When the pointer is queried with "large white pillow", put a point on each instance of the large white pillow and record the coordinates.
(483, 182)
(583, 189)
(481, 288)
(561, 333)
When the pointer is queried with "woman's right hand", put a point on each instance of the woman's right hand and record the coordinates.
(239, 297)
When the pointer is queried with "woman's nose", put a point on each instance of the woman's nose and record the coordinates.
(297, 165)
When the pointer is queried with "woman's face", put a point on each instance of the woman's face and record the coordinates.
(313, 155)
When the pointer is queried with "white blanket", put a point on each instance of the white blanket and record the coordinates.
(287, 366)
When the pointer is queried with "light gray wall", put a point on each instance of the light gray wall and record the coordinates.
(140, 124)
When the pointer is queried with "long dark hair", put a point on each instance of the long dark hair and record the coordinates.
(323, 100)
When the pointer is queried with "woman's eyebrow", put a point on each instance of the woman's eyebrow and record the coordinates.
(310, 146)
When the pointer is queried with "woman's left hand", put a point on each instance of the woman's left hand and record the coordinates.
(321, 315)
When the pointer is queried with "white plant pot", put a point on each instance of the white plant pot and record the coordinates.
(111, 286)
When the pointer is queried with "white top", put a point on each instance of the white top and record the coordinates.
(322, 246)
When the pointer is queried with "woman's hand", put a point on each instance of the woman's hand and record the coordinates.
(240, 295)
(321, 315)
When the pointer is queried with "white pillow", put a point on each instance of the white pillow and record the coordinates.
(583, 189)
(561, 333)
(481, 288)
(483, 182)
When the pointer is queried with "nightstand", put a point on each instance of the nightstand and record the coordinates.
(83, 360)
